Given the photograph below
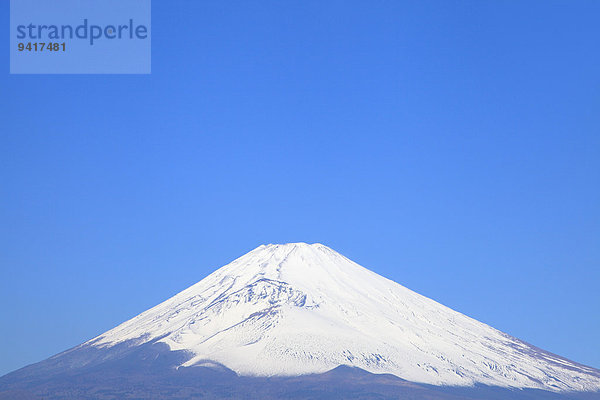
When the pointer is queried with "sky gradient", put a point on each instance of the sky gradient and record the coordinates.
(453, 147)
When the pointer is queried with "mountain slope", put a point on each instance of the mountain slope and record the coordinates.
(285, 310)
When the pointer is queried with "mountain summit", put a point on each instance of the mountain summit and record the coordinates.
(298, 308)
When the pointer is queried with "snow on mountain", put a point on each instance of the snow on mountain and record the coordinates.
(297, 308)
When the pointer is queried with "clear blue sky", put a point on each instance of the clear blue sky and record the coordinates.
(453, 147)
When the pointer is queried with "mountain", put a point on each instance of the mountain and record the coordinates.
(304, 318)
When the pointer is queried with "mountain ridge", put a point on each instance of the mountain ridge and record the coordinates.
(302, 321)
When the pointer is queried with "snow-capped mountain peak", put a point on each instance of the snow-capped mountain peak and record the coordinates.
(302, 308)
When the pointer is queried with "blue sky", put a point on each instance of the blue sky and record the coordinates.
(453, 147)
